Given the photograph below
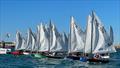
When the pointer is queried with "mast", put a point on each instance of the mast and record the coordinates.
(71, 25)
(38, 38)
(70, 38)
(50, 37)
(69, 35)
(92, 30)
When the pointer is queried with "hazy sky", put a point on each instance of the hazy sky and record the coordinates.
(23, 14)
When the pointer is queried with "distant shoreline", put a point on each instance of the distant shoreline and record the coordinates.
(7, 44)
(117, 47)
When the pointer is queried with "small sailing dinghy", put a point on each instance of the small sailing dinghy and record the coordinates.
(42, 42)
(58, 43)
(18, 44)
(98, 41)
(92, 60)
(76, 41)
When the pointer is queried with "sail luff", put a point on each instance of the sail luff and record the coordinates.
(88, 35)
(18, 41)
(71, 31)
(69, 37)
(50, 35)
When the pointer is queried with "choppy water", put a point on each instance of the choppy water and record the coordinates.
(10, 61)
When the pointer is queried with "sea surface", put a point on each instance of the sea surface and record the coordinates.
(11, 61)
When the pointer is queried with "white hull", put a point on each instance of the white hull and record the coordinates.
(4, 50)
(105, 57)
(26, 53)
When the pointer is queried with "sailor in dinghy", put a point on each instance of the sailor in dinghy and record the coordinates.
(97, 56)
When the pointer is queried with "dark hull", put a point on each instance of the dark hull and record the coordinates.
(73, 57)
(69, 57)
(98, 60)
(92, 60)
(55, 57)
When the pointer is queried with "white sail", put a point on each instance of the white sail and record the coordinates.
(94, 38)
(37, 46)
(102, 46)
(44, 41)
(110, 49)
(23, 46)
(108, 40)
(79, 39)
(50, 35)
(76, 39)
(102, 38)
(56, 40)
(105, 41)
(18, 41)
(33, 42)
(95, 31)
(101, 42)
(59, 46)
(29, 40)
(88, 35)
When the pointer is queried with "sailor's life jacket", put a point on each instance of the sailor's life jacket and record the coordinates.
(83, 59)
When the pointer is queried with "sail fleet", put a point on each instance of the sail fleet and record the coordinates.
(95, 39)
(46, 40)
